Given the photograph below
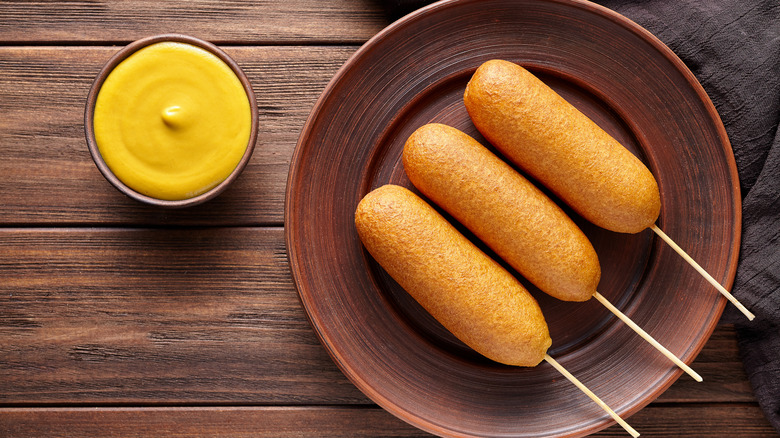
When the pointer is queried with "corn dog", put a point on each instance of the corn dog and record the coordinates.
(556, 144)
(470, 294)
(504, 210)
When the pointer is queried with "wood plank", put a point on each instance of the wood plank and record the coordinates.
(162, 316)
(715, 421)
(47, 175)
(203, 422)
(277, 21)
(157, 316)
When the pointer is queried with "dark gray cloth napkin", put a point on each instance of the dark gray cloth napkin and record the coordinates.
(733, 49)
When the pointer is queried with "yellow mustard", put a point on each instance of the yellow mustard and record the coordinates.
(172, 121)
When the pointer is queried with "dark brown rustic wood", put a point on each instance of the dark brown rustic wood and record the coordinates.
(714, 421)
(156, 317)
(255, 422)
(48, 177)
(279, 21)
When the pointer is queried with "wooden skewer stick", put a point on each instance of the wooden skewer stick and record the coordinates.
(704, 273)
(647, 337)
(590, 394)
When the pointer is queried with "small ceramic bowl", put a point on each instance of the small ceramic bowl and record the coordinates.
(90, 110)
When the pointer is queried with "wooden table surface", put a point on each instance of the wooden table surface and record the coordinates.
(118, 319)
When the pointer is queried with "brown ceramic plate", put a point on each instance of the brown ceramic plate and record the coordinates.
(415, 72)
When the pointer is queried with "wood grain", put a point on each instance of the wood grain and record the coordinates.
(255, 422)
(117, 319)
(714, 421)
(156, 317)
(234, 21)
(47, 175)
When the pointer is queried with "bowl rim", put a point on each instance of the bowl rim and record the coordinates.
(89, 112)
